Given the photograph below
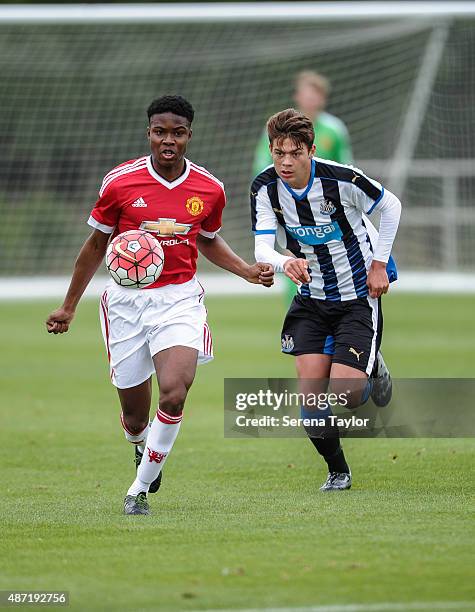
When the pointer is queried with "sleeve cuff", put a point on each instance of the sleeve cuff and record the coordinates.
(107, 229)
(376, 202)
(206, 234)
(264, 231)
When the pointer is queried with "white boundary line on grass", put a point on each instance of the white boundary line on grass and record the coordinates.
(33, 288)
(377, 607)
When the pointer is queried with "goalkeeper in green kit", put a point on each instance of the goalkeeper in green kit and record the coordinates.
(331, 135)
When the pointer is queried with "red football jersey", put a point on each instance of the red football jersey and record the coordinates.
(134, 196)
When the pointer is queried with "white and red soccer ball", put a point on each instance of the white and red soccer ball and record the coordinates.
(135, 259)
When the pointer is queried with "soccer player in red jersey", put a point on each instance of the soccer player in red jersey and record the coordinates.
(162, 328)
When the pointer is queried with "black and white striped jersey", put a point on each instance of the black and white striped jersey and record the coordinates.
(323, 223)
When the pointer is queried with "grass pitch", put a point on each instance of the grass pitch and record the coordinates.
(238, 523)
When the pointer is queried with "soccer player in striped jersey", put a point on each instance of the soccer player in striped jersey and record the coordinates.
(315, 208)
(161, 329)
(332, 140)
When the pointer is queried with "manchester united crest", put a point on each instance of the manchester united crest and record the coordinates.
(194, 205)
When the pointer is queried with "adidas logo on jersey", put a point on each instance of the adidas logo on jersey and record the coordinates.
(139, 203)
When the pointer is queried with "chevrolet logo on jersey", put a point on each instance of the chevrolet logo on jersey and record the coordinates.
(166, 227)
(318, 234)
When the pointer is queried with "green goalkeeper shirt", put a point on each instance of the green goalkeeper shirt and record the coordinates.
(331, 139)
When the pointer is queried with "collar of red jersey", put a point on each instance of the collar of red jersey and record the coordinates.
(164, 182)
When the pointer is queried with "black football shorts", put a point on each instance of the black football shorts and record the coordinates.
(350, 331)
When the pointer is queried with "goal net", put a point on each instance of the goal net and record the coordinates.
(74, 95)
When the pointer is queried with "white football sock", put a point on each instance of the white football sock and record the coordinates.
(160, 440)
(141, 447)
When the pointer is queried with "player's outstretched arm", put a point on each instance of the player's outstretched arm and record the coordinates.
(87, 262)
(390, 209)
(220, 253)
(295, 269)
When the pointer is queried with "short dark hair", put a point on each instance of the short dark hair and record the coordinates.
(292, 124)
(171, 104)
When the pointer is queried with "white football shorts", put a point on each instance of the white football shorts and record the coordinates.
(138, 323)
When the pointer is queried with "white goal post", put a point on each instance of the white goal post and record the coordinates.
(229, 11)
(76, 80)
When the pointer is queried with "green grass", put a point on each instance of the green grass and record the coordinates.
(239, 523)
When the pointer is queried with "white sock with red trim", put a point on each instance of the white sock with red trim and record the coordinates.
(137, 439)
(160, 440)
(141, 446)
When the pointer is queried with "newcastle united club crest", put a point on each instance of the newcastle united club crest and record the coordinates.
(327, 207)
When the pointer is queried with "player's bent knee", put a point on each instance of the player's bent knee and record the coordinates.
(354, 391)
(354, 401)
(173, 400)
(134, 425)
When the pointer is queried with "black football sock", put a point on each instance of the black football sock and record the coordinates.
(331, 451)
(326, 439)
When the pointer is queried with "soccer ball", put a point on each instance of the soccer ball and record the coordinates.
(135, 259)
